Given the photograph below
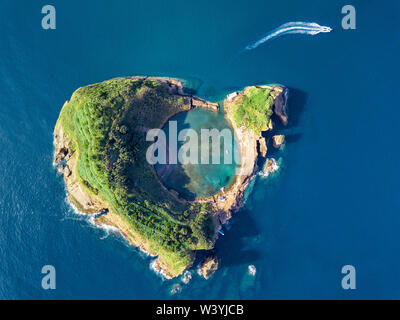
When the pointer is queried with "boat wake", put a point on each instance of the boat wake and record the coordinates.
(310, 28)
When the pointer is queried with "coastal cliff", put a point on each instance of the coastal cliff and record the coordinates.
(135, 201)
(252, 146)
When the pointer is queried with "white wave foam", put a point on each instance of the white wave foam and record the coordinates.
(310, 28)
(91, 218)
(74, 208)
(186, 277)
(271, 166)
(252, 270)
(147, 254)
(154, 266)
(105, 227)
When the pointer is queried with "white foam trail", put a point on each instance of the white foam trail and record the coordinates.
(310, 28)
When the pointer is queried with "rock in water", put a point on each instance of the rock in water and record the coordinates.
(60, 155)
(187, 276)
(270, 166)
(278, 140)
(60, 169)
(176, 289)
(209, 266)
(252, 270)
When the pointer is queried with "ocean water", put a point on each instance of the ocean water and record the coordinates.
(334, 202)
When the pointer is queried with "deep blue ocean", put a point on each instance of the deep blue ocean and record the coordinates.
(335, 201)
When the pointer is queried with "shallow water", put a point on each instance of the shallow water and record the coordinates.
(335, 201)
(203, 177)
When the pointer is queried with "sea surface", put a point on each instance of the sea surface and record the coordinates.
(334, 202)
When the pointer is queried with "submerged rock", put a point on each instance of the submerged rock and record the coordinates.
(176, 289)
(209, 266)
(278, 140)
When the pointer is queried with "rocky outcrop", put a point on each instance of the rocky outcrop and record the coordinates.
(280, 105)
(177, 288)
(83, 200)
(263, 146)
(231, 199)
(67, 171)
(270, 125)
(278, 140)
(270, 166)
(60, 155)
(231, 96)
(252, 270)
(187, 276)
(63, 169)
(201, 103)
(208, 266)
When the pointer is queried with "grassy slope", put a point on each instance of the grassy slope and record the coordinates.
(107, 123)
(253, 109)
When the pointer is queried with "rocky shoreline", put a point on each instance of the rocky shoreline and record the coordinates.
(224, 203)
(251, 147)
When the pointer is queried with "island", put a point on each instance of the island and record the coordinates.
(100, 148)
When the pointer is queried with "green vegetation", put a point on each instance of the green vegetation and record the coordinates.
(107, 125)
(253, 109)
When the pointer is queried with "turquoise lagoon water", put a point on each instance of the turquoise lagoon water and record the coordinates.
(334, 202)
(202, 177)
